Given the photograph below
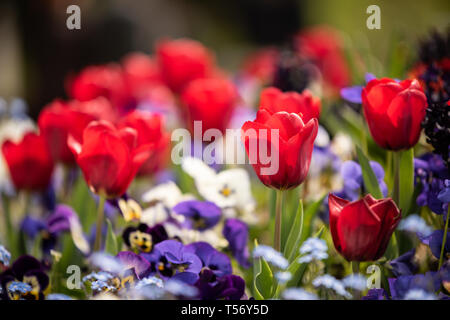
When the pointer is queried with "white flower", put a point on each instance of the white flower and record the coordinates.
(228, 188)
(342, 145)
(355, 281)
(414, 223)
(419, 294)
(323, 138)
(332, 283)
(106, 262)
(212, 236)
(283, 276)
(179, 288)
(312, 245)
(162, 199)
(271, 256)
(298, 294)
(313, 249)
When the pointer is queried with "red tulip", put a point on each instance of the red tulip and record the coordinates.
(211, 101)
(109, 157)
(101, 81)
(150, 130)
(29, 161)
(273, 100)
(182, 61)
(323, 45)
(99, 108)
(293, 147)
(262, 64)
(361, 229)
(394, 112)
(56, 121)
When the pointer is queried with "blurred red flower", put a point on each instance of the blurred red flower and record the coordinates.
(211, 101)
(109, 157)
(182, 61)
(56, 121)
(294, 146)
(29, 161)
(262, 64)
(101, 81)
(361, 229)
(394, 112)
(323, 46)
(273, 100)
(150, 130)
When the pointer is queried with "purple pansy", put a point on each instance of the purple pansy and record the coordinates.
(200, 215)
(432, 174)
(353, 94)
(435, 243)
(429, 282)
(236, 232)
(353, 179)
(138, 264)
(404, 265)
(170, 259)
(228, 287)
(376, 294)
(28, 270)
(216, 261)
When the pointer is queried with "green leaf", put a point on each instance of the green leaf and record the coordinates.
(295, 234)
(263, 281)
(406, 179)
(370, 180)
(310, 213)
(111, 241)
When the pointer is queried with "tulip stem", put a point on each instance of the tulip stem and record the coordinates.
(8, 224)
(444, 239)
(100, 218)
(355, 267)
(278, 216)
(396, 190)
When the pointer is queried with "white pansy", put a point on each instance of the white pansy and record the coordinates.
(161, 200)
(228, 188)
(212, 236)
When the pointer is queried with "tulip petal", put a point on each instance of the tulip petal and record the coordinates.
(357, 229)
(335, 205)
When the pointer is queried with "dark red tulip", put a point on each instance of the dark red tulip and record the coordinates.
(182, 61)
(361, 229)
(29, 161)
(295, 145)
(56, 121)
(109, 157)
(211, 101)
(394, 112)
(150, 130)
(274, 100)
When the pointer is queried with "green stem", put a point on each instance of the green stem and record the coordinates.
(355, 271)
(444, 239)
(100, 218)
(396, 189)
(278, 217)
(355, 267)
(8, 224)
